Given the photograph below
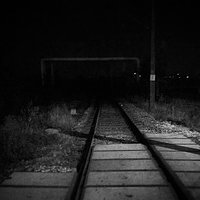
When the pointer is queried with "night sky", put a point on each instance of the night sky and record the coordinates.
(32, 31)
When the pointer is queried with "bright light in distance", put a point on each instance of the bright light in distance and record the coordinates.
(140, 75)
(135, 73)
(187, 77)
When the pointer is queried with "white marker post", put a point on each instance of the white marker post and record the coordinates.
(152, 74)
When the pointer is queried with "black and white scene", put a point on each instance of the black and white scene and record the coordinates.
(100, 100)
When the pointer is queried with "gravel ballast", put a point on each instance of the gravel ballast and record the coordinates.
(148, 125)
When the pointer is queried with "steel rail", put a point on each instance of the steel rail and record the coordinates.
(179, 188)
(76, 189)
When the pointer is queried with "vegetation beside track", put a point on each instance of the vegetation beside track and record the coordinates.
(39, 131)
(177, 111)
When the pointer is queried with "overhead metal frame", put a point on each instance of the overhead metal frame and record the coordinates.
(82, 59)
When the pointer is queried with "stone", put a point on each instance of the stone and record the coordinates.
(52, 131)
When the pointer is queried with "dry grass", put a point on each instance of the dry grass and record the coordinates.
(59, 116)
(179, 111)
(21, 136)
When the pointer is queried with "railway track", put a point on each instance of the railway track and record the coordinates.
(111, 127)
(119, 162)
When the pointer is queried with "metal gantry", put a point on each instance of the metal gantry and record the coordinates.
(81, 59)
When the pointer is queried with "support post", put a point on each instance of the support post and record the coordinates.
(111, 79)
(43, 72)
(138, 70)
(152, 71)
(52, 76)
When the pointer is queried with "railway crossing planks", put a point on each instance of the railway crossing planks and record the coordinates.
(35, 186)
(183, 156)
(130, 174)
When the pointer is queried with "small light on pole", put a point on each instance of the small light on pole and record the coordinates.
(152, 71)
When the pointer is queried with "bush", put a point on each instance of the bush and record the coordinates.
(20, 136)
(59, 116)
(179, 111)
(23, 135)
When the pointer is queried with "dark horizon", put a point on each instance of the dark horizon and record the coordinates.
(31, 32)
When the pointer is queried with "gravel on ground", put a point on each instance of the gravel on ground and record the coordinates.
(148, 125)
(64, 155)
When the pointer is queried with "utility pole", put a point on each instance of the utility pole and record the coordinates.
(52, 76)
(43, 72)
(152, 71)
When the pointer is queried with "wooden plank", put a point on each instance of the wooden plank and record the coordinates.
(119, 147)
(122, 165)
(10, 193)
(39, 179)
(179, 155)
(120, 155)
(127, 193)
(190, 179)
(189, 166)
(125, 178)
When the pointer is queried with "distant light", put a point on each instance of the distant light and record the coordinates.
(187, 77)
(177, 74)
(135, 73)
(140, 75)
